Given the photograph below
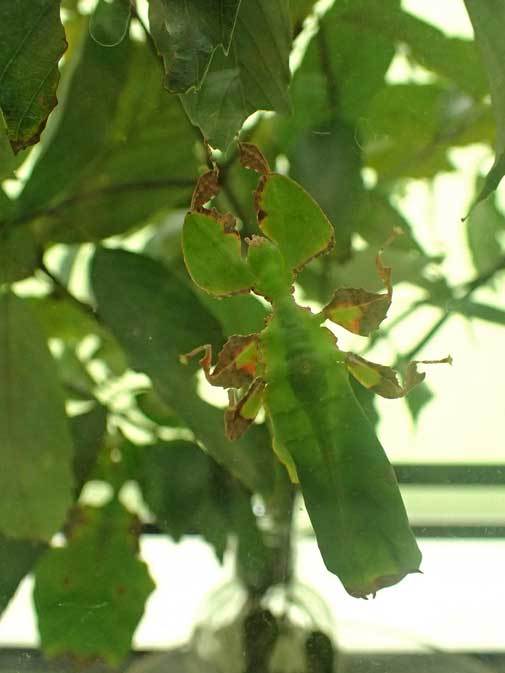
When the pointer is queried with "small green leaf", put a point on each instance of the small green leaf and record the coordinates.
(110, 21)
(254, 76)
(417, 399)
(17, 558)
(88, 432)
(188, 34)
(488, 20)
(8, 162)
(453, 58)
(484, 227)
(403, 130)
(18, 253)
(73, 375)
(213, 255)
(177, 483)
(90, 595)
(32, 41)
(291, 218)
(35, 445)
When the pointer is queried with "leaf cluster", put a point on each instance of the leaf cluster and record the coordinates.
(105, 125)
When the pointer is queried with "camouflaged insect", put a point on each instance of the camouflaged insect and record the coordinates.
(296, 372)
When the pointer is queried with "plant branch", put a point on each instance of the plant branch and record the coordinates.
(471, 287)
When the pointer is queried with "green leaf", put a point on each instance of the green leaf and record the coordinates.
(90, 595)
(453, 58)
(18, 253)
(484, 227)
(213, 255)
(402, 130)
(156, 410)
(177, 483)
(342, 69)
(88, 432)
(156, 318)
(289, 216)
(254, 76)
(17, 558)
(8, 161)
(488, 20)
(417, 399)
(121, 154)
(63, 319)
(472, 309)
(35, 445)
(188, 34)
(109, 22)
(339, 187)
(32, 41)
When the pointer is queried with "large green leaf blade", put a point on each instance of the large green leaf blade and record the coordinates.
(35, 445)
(32, 41)
(187, 35)
(17, 558)
(156, 318)
(488, 20)
(254, 76)
(90, 595)
(122, 151)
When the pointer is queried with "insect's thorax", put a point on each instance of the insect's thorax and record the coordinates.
(297, 351)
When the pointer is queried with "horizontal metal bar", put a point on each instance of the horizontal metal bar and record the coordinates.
(458, 532)
(450, 474)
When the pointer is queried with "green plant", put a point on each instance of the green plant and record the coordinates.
(110, 177)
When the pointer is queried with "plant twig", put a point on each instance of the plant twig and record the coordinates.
(62, 290)
(471, 287)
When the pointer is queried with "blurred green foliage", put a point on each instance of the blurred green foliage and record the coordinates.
(115, 168)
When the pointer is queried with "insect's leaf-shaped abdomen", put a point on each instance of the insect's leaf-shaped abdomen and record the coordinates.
(348, 484)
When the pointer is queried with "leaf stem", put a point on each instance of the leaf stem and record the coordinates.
(471, 287)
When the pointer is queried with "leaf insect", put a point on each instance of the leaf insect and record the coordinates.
(294, 369)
